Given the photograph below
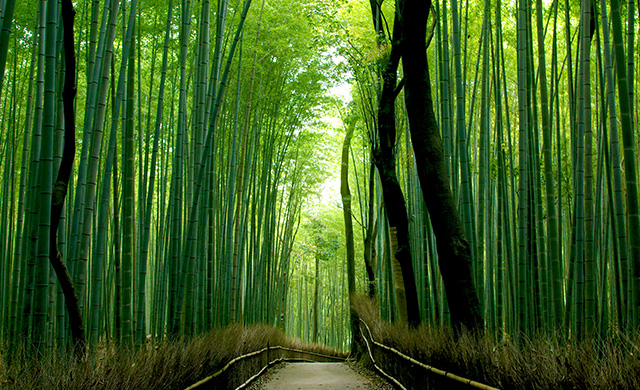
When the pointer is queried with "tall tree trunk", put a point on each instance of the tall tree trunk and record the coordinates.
(41, 220)
(62, 182)
(384, 157)
(370, 234)
(454, 251)
(128, 201)
(316, 288)
(466, 189)
(552, 224)
(525, 223)
(345, 193)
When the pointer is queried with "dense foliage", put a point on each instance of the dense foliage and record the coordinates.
(207, 155)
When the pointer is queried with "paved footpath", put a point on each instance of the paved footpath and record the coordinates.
(294, 376)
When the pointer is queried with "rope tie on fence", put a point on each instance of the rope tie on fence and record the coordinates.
(432, 369)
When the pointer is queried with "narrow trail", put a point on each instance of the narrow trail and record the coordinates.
(294, 376)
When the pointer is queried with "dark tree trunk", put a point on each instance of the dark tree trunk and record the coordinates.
(454, 252)
(384, 155)
(369, 239)
(62, 183)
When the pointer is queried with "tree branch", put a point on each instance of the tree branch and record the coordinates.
(62, 183)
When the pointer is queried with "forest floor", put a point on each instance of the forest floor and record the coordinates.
(324, 376)
(539, 362)
(158, 364)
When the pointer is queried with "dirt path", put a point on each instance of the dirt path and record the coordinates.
(294, 376)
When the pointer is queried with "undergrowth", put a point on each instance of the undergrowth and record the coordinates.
(540, 362)
(161, 364)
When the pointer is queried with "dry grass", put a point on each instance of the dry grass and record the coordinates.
(541, 362)
(156, 365)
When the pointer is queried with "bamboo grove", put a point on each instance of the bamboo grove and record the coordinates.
(194, 157)
(537, 113)
(201, 150)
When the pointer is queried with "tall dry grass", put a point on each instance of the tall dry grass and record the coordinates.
(162, 364)
(540, 362)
